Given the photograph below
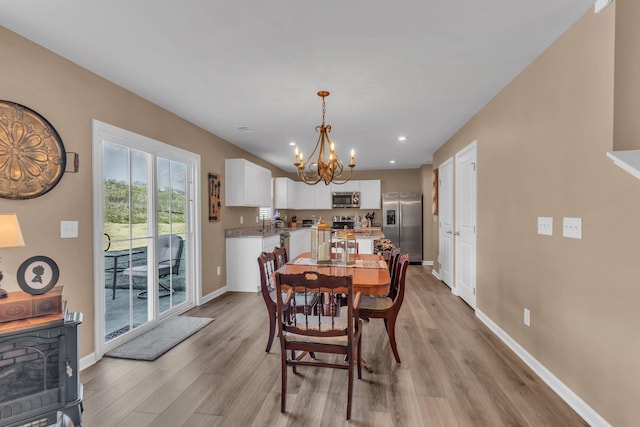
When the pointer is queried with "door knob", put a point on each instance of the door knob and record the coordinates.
(457, 233)
(449, 232)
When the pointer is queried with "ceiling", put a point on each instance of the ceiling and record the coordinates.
(249, 71)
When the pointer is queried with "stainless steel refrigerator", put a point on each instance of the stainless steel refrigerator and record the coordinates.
(402, 222)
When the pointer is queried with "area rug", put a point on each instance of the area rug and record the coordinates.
(162, 338)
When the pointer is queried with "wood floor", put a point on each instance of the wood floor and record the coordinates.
(454, 372)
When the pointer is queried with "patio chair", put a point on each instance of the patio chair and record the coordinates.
(169, 256)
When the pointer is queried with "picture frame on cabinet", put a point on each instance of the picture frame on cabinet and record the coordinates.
(38, 275)
(215, 189)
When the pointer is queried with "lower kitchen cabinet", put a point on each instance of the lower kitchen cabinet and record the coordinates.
(299, 241)
(243, 274)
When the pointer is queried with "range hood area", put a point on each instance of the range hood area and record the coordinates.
(628, 160)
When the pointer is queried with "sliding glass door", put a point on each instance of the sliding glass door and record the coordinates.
(145, 267)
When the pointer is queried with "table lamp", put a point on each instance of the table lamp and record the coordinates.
(10, 237)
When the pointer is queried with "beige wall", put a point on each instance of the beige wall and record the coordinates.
(69, 97)
(541, 152)
(626, 131)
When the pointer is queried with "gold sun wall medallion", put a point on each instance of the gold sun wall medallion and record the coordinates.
(32, 156)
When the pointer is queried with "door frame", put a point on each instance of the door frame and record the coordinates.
(445, 200)
(467, 291)
(103, 131)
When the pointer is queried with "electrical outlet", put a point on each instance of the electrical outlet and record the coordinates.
(257, 218)
(527, 317)
(218, 270)
(241, 219)
(545, 225)
(572, 228)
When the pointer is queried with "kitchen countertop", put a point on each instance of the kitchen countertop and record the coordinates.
(257, 231)
(374, 233)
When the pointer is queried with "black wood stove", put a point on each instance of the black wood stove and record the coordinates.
(39, 376)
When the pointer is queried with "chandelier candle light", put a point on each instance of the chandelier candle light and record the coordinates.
(325, 168)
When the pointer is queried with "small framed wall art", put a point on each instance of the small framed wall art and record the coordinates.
(38, 275)
(214, 196)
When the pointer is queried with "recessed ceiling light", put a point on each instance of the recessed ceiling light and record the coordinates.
(392, 161)
(292, 143)
(402, 138)
(243, 128)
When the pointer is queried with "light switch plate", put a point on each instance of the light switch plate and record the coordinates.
(527, 317)
(68, 229)
(572, 228)
(545, 225)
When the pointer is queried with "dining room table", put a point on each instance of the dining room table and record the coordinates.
(370, 274)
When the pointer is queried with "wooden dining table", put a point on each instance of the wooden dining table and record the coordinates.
(370, 274)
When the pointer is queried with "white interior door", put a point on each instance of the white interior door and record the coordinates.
(445, 195)
(465, 223)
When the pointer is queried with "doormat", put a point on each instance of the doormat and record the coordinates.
(162, 338)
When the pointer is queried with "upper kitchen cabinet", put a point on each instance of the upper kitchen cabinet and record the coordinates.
(349, 186)
(370, 194)
(313, 197)
(286, 196)
(247, 184)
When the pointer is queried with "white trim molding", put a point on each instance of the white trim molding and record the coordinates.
(436, 274)
(580, 406)
(427, 262)
(213, 295)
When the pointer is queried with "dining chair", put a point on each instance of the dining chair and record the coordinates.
(267, 266)
(393, 258)
(388, 307)
(281, 256)
(311, 331)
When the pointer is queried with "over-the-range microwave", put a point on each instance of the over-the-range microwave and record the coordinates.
(346, 199)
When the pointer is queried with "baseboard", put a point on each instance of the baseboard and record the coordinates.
(87, 361)
(213, 295)
(435, 274)
(573, 400)
(427, 262)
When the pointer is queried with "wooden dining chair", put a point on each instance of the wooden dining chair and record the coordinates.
(267, 266)
(311, 331)
(393, 258)
(388, 307)
(281, 256)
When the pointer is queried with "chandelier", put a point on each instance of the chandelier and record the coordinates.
(327, 167)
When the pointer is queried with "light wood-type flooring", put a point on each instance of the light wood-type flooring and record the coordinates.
(454, 372)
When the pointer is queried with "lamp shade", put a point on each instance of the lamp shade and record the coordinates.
(10, 234)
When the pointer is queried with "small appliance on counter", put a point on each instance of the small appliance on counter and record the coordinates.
(341, 221)
(306, 223)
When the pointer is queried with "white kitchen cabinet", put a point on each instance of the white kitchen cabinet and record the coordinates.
(349, 186)
(299, 241)
(286, 196)
(313, 197)
(306, 196)
(370, 194)
(323, 197)
(246, 184)
(243, 274)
